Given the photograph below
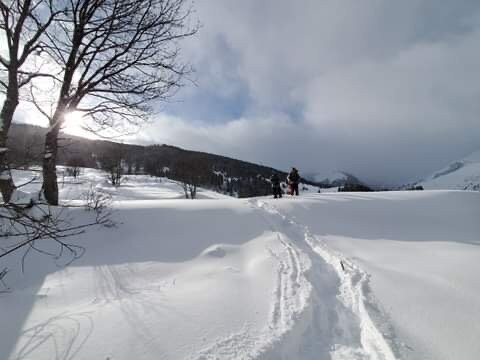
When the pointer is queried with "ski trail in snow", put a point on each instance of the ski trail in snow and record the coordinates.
(292, 288)
(335, 322)
(318, 311)
(354, 293)
(290, 296)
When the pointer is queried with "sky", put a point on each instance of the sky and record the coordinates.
(386, 90)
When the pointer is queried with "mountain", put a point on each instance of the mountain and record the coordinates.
(334, 179)
(459, 175)
(210, 171)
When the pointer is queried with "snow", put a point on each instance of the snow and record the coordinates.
(459, 175)
(421, 251)
(133, 187)
(338, 276)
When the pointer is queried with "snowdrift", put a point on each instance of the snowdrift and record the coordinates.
(322, 276)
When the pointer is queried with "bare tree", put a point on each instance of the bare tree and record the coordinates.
(190, 189)
(192, 174)
(116, 57)
(22, 25)
(74, 166)
(112, 160)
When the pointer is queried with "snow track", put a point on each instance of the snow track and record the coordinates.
(330, 319)
(289, 300)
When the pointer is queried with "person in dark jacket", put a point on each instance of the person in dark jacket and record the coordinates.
(276, 189)
(293, 179)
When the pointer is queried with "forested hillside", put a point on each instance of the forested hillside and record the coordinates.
(220, 173)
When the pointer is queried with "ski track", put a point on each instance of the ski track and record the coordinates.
(319, 310)
(289, 298)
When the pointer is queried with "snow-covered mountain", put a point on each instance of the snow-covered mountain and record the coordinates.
(459, 175)
(334, 178)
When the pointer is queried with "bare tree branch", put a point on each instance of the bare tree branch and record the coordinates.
(117, 57)
(33, 222)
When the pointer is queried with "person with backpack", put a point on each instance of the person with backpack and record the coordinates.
(292, 180)
(276, 189)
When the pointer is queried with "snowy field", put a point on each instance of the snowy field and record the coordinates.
(323, 276)
(133, 187)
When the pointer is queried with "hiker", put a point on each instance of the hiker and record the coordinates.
(292, 180)
(276, 189)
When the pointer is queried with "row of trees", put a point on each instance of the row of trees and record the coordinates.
(192, 169)
(108, 59)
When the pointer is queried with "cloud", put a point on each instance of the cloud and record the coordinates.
(387, 90)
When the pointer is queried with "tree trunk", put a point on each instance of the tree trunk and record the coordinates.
(7, 187)
(50, 186)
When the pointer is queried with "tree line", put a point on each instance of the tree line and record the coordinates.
(194, 169)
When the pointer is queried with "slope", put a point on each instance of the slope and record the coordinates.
(459, 175)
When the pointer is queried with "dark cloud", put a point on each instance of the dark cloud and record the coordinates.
(387, 90)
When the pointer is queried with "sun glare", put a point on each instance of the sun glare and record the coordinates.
(73, 116)
(73, 124)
